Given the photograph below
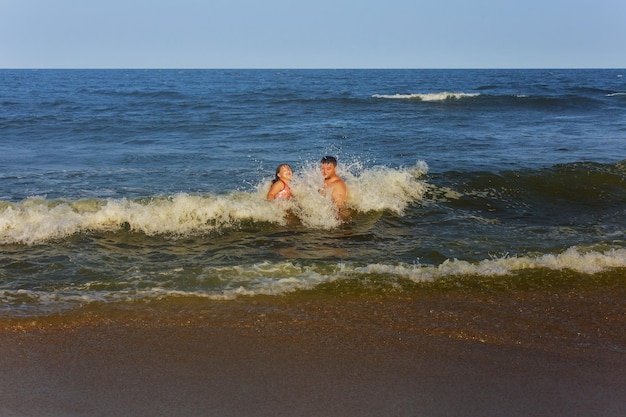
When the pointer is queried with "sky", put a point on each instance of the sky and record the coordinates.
(312, 34)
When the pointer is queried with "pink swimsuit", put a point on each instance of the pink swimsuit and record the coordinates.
(285, 192)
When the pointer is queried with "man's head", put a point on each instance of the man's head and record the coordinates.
(329, 164)
(329, 160)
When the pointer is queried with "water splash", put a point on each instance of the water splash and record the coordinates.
(37, 219)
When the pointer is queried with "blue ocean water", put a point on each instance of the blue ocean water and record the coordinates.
(124, 185)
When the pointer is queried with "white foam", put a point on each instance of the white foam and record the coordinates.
(575, 259)
(35, 220)
(382, 188)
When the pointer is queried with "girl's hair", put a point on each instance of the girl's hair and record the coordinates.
(276, 178)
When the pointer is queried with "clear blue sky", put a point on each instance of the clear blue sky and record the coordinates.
(312, 34)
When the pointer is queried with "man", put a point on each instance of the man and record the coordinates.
(332, 183)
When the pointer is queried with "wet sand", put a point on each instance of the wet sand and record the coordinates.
(523, 354)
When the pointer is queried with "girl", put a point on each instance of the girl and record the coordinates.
(280, 184)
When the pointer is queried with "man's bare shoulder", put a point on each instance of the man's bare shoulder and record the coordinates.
(335, 181)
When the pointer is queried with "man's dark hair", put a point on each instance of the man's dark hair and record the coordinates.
(329, 160)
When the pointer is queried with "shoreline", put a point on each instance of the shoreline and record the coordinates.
(321, 355)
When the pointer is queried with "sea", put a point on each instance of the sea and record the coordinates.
(124, 186)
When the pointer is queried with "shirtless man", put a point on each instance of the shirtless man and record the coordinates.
(332, 183)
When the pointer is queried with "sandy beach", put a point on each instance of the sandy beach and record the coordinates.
(523, 354)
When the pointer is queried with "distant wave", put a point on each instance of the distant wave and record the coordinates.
(427, 96)
(499, 101)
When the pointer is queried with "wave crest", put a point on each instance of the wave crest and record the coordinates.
(280, 278)
(37, 219)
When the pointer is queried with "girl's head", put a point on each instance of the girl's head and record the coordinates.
(283, 172)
